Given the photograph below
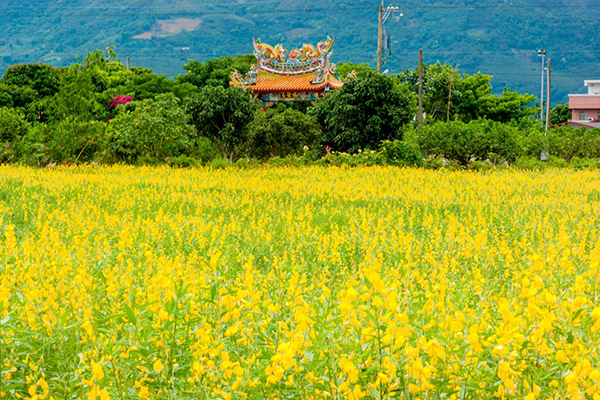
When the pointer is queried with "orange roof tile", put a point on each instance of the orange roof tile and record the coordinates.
(292, 83)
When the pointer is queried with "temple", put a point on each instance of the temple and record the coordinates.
(303, 74)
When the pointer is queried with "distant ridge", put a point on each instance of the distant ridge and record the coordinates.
(496, 37)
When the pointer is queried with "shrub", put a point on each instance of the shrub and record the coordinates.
(567, 142)
(481, 165)
(242, 163)
(362, 158)
(530, 163)
(65, 142)
(182, 162)
(202, 149)
(433, 163)
(584, 163)
(531, 142)
(275, 133)
(290, 160)
(12, 125)
(223, 116)
(464, 143)
(220, 163)
(400, 153)
(156, 129)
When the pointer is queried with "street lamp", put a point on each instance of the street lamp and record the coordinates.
(542, 53)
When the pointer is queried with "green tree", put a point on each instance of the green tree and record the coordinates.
(568, 142)
(447, 95)
(511, 106)
(560, 113)
(440, 89)
(148, 85)
(12, 124)
(154, 130)
(17, 96)
(43, 78)
(366, 110)
(467, 142)
(346, 68)
(223, 115)
(276, 133)
(66, 141)
(77, 98)
(473, 97)
(215, 72)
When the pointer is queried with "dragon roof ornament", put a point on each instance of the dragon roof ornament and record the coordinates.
(307, 59)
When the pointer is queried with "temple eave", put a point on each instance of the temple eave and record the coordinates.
(304, 74)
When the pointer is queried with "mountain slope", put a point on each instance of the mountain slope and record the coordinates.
(497, 37)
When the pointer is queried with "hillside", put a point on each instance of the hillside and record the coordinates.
(500, 38)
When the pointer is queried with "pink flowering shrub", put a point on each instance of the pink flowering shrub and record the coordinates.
(120, 99)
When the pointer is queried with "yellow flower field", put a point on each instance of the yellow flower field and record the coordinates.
(126, 283)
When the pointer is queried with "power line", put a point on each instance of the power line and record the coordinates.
(181, 13)
(118, 12)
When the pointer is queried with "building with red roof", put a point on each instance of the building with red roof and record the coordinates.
(585, 108)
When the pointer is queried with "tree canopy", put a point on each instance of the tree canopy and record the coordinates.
(223, 115)
(366, 110)
(448, 95)
(215, 72)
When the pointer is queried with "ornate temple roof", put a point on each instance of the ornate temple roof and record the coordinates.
(306, 69)
(300, 83)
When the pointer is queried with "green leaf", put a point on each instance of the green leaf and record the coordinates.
(213, 292)
(130, 314)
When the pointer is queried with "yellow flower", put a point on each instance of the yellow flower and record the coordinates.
(232, 330)
(97, 371)
(158, 366)
(143, 393)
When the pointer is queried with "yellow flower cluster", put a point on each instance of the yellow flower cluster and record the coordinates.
(127, 283)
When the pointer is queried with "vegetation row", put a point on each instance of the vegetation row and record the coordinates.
(98, 111)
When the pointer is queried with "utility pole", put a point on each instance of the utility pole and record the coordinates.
(380, 38)
(127, 63)
(548, 99)
(384, 14)
(420, 112)
(542, 53)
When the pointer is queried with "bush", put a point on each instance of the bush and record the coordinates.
(531, 142)
(202, 149)
(481, 165)
(223, 116)
(275, 133)
(363, 158)
(400, 153)
(464, 143)
(567, 142)
(433, 163)
(220, 163)
(182, 162)
(65, 142)
(530, 163)
(12, 125)
(536, 163)
(156, 129)
(242, 163)
(290, 160)
(584, 163)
